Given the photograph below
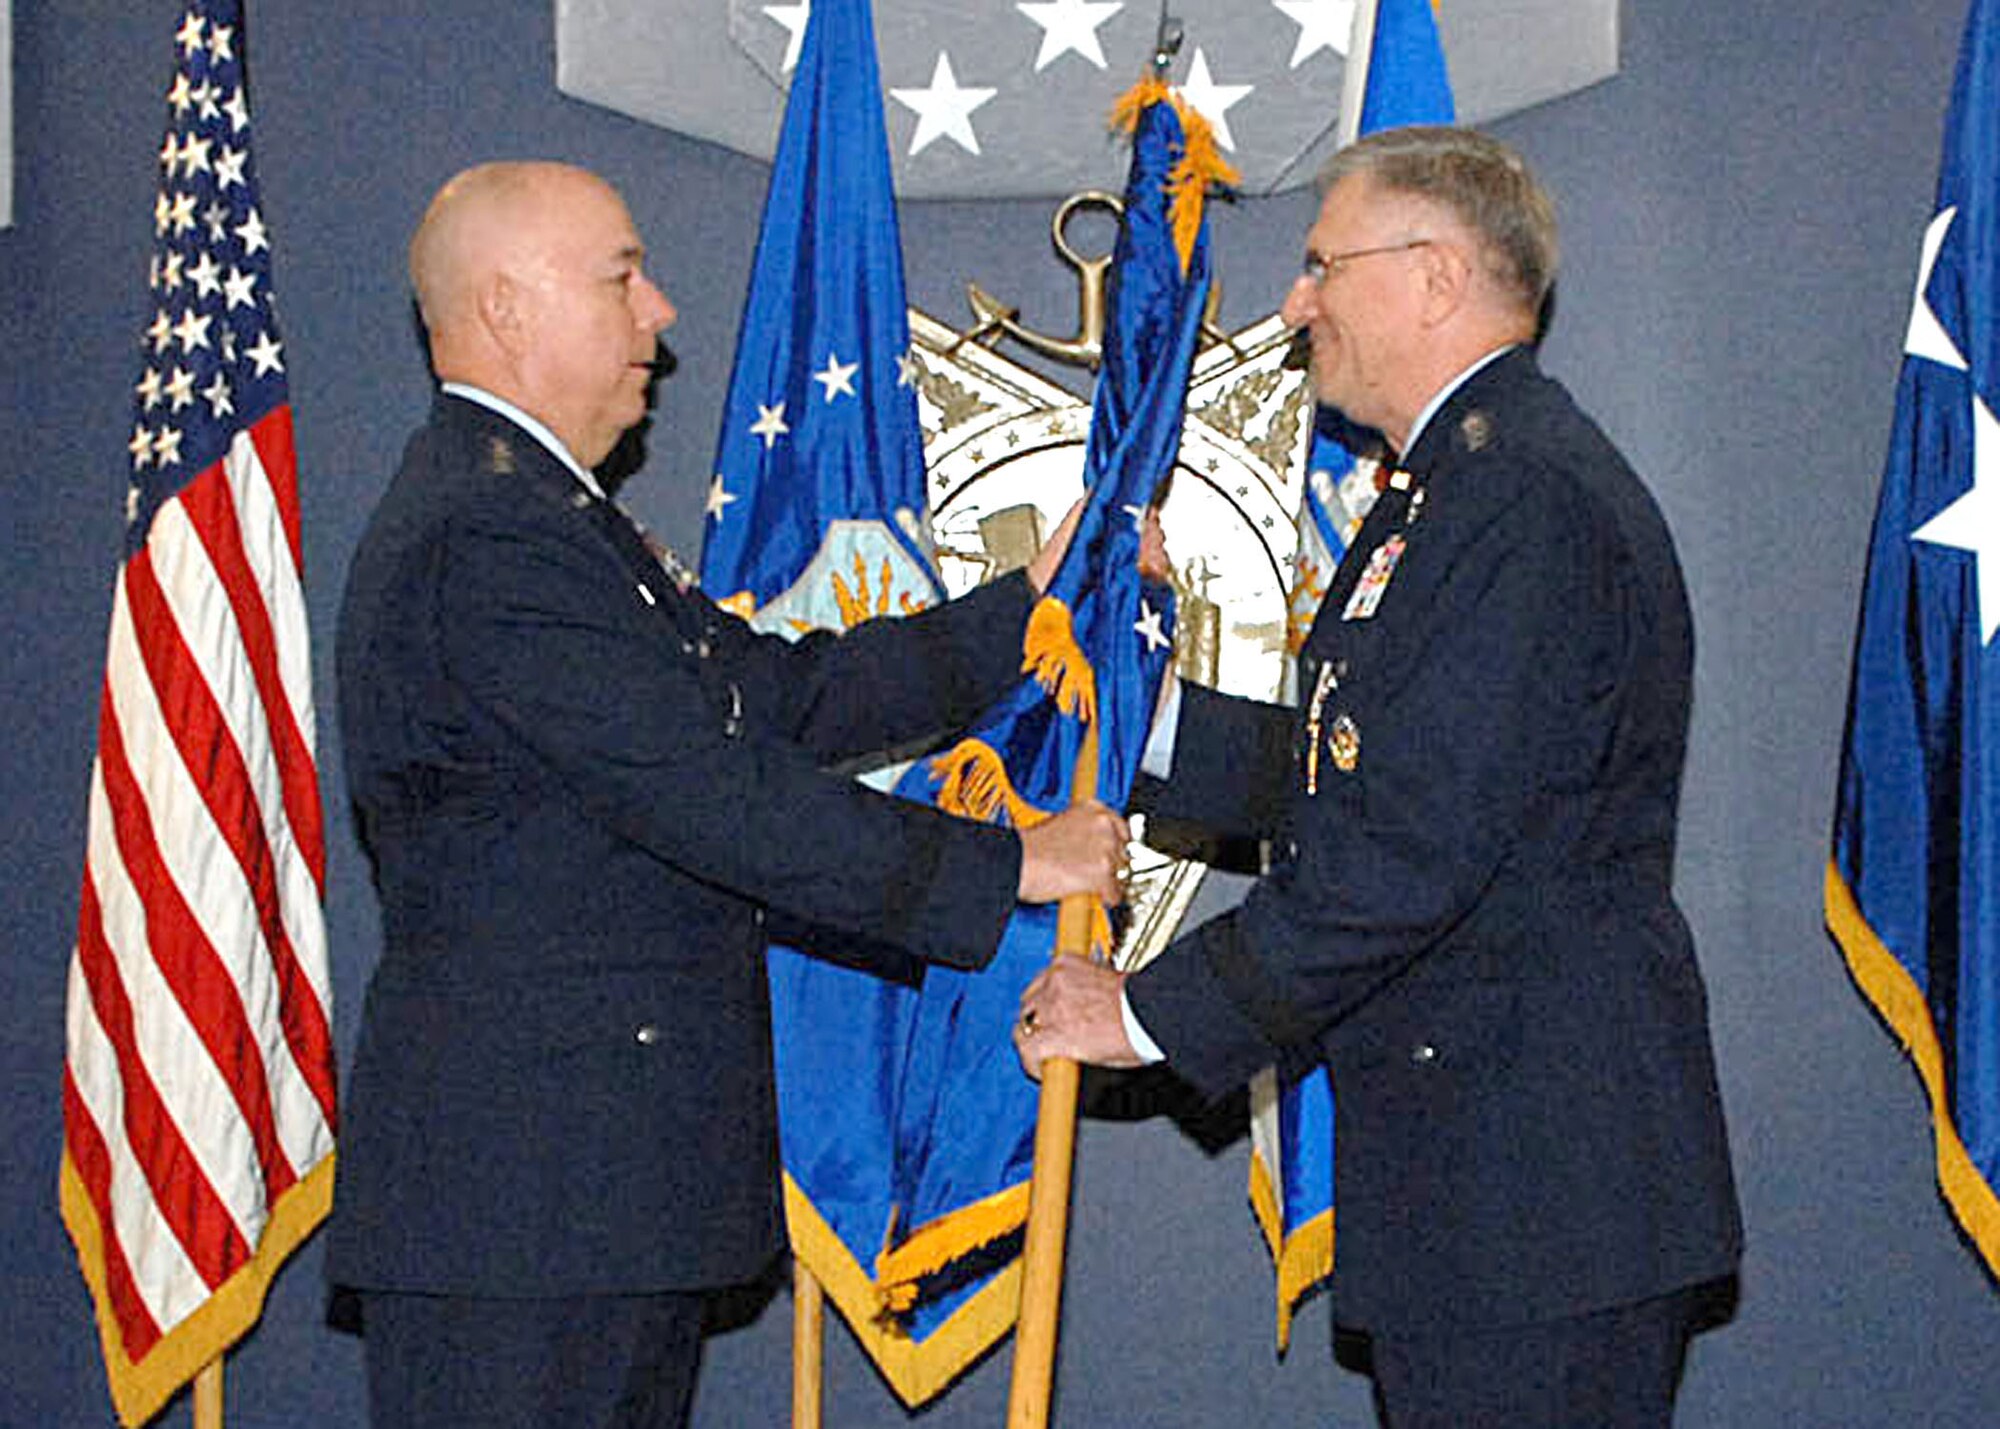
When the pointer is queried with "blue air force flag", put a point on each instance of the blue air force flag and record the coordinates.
(1913, 887)
(816, 521)
(907, 1125)
(815, 511)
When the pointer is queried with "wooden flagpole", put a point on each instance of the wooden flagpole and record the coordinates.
(1047, 1231)
(208, 1395)
(1048, 1188)
(808, 1346)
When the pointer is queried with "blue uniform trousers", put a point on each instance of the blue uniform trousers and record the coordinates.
(578, 1362)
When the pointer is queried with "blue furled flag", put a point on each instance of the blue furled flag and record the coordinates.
(1913, 887)
(1096, 648)
(1291, 1171)
(907, 1123)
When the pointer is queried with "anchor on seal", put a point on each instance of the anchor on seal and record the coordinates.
(994, 319)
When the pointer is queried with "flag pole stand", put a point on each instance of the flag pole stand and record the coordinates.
(208, 1395)
(808, 1346)
(1048, 1187)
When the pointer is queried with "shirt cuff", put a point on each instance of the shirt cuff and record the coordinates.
(1158, 757)
(1147, 1049)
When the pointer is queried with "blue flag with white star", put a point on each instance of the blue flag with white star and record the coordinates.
(1913, 886)
(906, 1122)
(1095, 650)
(815, 512)
(816, 521)
(1291, 1170)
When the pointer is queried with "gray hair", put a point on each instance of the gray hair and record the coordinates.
(1482, 182)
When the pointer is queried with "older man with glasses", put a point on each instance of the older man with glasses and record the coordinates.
(1468, 916)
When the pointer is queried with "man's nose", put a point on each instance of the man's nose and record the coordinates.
(657, 312)
(1301, 301)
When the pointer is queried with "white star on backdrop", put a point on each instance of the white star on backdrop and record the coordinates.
(1323, 25)
(240, 289)
(838, 378)
(1070, 25)
(1212, 100)
(265, 353)
(943, 110)
(253, 234)
(229, 167)
(793, 18)
(217, 393)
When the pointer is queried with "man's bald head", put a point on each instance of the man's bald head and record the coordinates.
(488, 219)
(530, 279)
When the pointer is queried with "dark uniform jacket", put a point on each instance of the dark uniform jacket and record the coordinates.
(1468, 919)
(581, 787)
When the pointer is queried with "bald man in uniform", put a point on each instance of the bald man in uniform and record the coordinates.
(583, 789)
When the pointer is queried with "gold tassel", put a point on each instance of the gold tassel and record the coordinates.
(1201, 163)
(974, 785)
(1050, 653)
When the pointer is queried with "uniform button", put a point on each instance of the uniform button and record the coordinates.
(1340, 669)
(757, 916)
(1291, 850)
(687, 647)
(648, 1034)
(1423, 1054)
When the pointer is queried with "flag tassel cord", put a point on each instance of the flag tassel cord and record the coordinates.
(1048, 1189)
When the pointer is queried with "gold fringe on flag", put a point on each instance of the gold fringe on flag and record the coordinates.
(1201, 163)
(950, 1238)
(1050, 653)
(974, 785)
(1303, 1259)
(916, 1371)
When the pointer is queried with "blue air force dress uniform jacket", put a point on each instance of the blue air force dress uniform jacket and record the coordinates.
(1468, 919)
(581, 786)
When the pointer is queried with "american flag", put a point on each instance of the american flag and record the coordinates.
(198, 1093)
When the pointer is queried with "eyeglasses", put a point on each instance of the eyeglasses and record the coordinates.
(1319, 267)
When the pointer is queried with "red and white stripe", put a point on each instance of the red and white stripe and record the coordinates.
(199, 1086)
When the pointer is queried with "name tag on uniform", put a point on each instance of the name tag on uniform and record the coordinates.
(1367, 592)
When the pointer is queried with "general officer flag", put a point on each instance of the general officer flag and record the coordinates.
(1291, 1167)
(198, 1090)
(1913, 886)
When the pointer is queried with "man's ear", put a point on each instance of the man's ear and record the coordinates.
(1445, 272)
(503, 311)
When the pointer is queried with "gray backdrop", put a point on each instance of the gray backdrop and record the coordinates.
(1742, 205)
